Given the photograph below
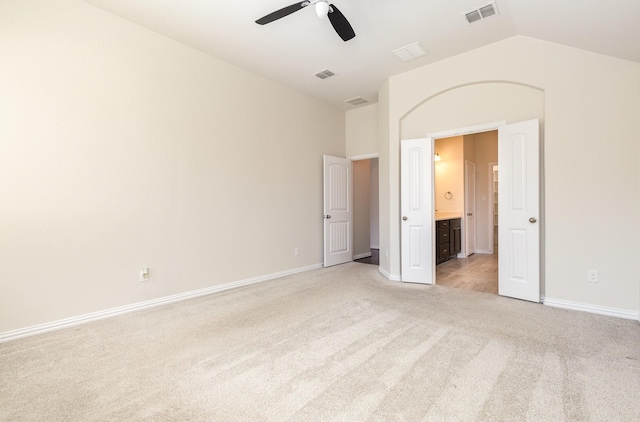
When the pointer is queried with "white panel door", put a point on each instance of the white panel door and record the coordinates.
(416, 210)
(338, 210)
(470, 207)
(519, 210)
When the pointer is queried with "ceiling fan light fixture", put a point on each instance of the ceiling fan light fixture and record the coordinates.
(322, 9)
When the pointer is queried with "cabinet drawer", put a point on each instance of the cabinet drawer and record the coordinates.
(443, 236)
(455, 223)
(444, 224)
(443, 253)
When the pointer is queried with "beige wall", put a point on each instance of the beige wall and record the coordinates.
(449, 174)
(362, 141)
(480, 149)
(361, 207)
(469, 148)
(374, 221)
(588, 105)
(120, 148)
(362, 131)
(486, 151)
(388, 209)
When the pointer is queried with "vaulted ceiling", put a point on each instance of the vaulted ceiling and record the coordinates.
(292, 49)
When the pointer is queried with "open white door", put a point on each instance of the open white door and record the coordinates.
(519, 210)
(338, 210)
(416, 210)
(470, 207)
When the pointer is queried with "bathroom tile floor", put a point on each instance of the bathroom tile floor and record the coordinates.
(478, 272)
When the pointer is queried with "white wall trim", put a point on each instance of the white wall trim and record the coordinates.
(392, 277)
(94, 316)
(362, 255)
(364, 157)
(594, 309)
(374, 247)
(484, 252)
(485, 127)
(490, 204)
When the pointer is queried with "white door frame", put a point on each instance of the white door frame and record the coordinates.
(364, 157)
(428, 275)
(490, 214)
(468, 217)
(469, 130)
(430, 138)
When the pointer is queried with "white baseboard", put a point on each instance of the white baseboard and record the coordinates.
(392, 277)
(594, 309)
(81, 319)
(362, 255)
(484, 251)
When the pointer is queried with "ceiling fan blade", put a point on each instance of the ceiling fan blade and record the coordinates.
(285, 11)
(340, 23)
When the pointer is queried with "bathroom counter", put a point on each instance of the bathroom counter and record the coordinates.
(447, 215)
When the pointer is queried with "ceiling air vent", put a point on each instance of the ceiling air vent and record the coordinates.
(488, 10)
(473, 16)
(324, 74)
(356, 101)
(482, 12)
(410, 52)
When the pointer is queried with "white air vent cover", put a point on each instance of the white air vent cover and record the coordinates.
(488, 10)
(356, 101)
(482, 12)
(473, 16)
(410, 52)
(324, 74)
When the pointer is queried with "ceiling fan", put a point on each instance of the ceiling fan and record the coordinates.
(323, 9)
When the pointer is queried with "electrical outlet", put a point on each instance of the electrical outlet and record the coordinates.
(592, 276)
(296, 252)
(144, 274)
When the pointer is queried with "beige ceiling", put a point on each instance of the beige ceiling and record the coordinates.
(291, 50)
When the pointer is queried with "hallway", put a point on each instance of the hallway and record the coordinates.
(373, 259)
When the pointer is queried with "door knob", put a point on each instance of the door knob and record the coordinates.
(404, 217)
(469, 214)
(532, 220)
(327, 217)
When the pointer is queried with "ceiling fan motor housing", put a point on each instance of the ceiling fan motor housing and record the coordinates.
(323, 8)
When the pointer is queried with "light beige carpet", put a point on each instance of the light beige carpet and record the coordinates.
(341, 343)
